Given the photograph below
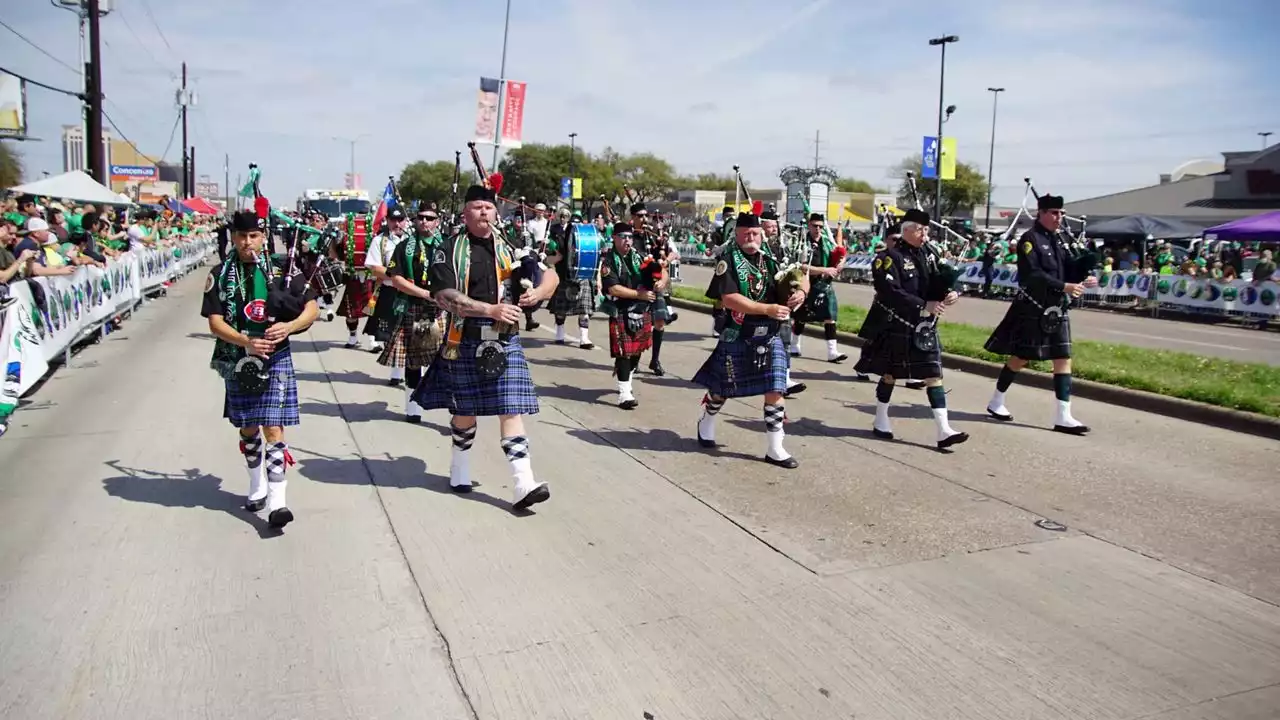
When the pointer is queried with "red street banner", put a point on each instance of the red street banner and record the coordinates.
(513, 114)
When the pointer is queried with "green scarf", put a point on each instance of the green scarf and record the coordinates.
(625, 268)
(755, 283)
(234, 294)
(415, 251)
(462, 271)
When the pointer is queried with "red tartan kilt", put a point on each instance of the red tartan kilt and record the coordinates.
(622, 344)
(355, 298)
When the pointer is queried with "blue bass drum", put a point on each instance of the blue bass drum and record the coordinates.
(584, 251)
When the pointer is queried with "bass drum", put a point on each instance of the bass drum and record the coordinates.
(584, 251)
(358, 232)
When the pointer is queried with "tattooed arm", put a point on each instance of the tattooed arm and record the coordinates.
(456, 302)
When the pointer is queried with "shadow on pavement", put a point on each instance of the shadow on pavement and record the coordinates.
(390, 472)
(355, 377)
(351, 412)
(571, 364)
(189, 488)
(914, 411)
(654, 440)
(568, 392)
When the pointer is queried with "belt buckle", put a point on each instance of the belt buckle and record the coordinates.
(488, 334)
(760, 331)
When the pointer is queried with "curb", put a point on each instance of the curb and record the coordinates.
(1205, 414)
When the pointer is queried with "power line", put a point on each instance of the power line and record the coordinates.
(40, 84)
(143, 45)
(146, 7)
(44, 52)
(117, 129)
(168, 146)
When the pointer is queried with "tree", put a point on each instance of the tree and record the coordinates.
(432, 182)
(534, 171)
(708, 181)
(10, 166)
(967, 190)
(647, 175)
(853, 185)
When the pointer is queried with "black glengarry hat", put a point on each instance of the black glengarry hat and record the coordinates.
(919, 217)
(245, 221)
(748, 220)
(480, 192)
(768, 215)
(817, 216)
(621, 228)
(1050, 202)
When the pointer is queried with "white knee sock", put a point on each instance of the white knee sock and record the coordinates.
(774, 416)
(251, 448)
(277, 461)
(460, 465)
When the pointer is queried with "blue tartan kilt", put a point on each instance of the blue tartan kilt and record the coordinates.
(456, 385)
(730, 371)
(893, 352)
(1019, 335)
(277, 407)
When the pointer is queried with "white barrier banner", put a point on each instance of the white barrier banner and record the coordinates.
(51, 313)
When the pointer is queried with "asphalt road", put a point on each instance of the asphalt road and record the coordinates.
(1212, 340)
(881, 580)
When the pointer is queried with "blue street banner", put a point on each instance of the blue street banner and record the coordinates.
(929, 158)
(566, 188)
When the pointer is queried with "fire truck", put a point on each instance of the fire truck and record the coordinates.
(335, 204)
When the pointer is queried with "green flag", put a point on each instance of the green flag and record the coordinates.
(247, 190)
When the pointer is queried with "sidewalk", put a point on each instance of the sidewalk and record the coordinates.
(878, 581)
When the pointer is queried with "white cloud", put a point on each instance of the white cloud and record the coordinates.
(1091, 87)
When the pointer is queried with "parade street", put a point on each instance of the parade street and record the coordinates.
(1223, 340)
(880, 580)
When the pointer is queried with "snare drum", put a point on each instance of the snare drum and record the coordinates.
(329, 276)
(584, 251)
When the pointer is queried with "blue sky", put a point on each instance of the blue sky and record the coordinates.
(1100, 96)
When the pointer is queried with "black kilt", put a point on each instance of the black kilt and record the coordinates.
(892, 351)
(382, 322)
(1019, 334)
(821, 305)
(574, 298)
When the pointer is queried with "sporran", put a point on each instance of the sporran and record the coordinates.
(1051, 320)
(925, 336)
(251, 375)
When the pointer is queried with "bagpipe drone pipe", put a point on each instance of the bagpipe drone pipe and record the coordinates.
(1082, 255)
(284, 303)
(943, 278)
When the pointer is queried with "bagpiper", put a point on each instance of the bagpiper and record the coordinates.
(254, 304)
(416, 332)
(778, 249)
(721, 238)
(901, 327)
(822, 305)
(573, 297)
(629, 282)
(482, 370)
(1036, 326)
(749, 358)
(380, 251)
(651, 244)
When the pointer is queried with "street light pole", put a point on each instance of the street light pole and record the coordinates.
(502, 82)
(937, 157)
(1264, 136)
(572, 152)
(991, 159)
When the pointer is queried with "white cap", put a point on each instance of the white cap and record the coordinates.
(540, 206)
(35, 223)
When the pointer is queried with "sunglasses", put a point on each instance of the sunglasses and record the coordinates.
(428, 218)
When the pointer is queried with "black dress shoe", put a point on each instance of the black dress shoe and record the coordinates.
(997, 416)
(255, 505)
(1077, 430)
(795, 390)
(280, 517)
(393, 382)
(542, 493)
(587, 346)
(709, 444)
(629, 404)
(881, 434)
(656, 367)
(790, 463)
(532, 325)
(413, 419)
(838, 359)
(952, 440)
(461, 489)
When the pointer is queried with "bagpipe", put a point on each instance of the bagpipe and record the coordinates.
(1082, 255)
(319, 249)
(527, 273)
(942, 281)
(790, 276)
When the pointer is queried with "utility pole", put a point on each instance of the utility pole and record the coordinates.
(1264, 136)
(991, 159)
(502, 86)
(93, 99)
(182, 102)
(937, 157)
(817, 142)
(572, 153)
(191, 174)
(226, 178)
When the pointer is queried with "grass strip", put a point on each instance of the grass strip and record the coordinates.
(1252, 387)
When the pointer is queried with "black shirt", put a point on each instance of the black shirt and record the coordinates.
(901, 279)
(1042, 264)
(483, 281)
(620, 270)
(211, 303)
(725, 280)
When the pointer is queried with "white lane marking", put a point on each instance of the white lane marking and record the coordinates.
(1172, 340)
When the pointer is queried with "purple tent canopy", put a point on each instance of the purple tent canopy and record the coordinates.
(1259, 227)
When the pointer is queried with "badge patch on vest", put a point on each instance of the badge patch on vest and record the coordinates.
(1026, 248)
(256, 311)
(722, 267)
(878, 263)
(438, 257)
(208, 283)
(604, 270)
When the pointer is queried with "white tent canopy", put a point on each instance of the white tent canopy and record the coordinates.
(75, 185)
